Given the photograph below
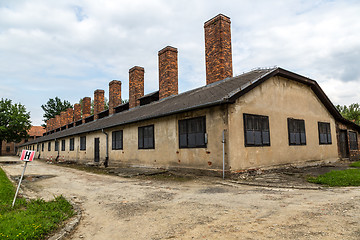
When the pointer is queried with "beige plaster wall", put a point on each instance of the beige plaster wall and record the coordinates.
(167, 152)
(279, 98)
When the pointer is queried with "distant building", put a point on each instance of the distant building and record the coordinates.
(8, 149)
(259, 119)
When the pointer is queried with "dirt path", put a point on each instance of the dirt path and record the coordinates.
(123, 208)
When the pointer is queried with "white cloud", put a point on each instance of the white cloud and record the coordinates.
(70, 48)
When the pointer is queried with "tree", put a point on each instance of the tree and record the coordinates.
(14, 121)
(54, 107)
(351, 113)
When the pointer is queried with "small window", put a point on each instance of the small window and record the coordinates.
(117, 140)
(257, 132)
(37, 147)
(146, 137)
(49, 146)
(296, 128)
(192, 133)
(7, 149)
(42, 147)
(71, 147)
(63, 145)
(353, 140)
(56, 146)
(83, 143)
(324, 133)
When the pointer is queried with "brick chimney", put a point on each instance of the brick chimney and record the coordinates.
(57, 122)
(218, 48)
(168, 72)
(114, 95)
(99, 95)
(69, 115)
(136, 85)
(86, 108)
(77, 112)
(62, 118)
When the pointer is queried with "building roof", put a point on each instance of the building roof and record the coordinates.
(36, 131)
(222, 92)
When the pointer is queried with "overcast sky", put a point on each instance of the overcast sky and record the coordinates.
(70, 48)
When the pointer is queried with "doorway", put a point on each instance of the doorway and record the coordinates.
(97, 150)
(344, 146)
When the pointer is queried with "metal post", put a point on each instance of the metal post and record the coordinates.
(223, 143)
(17, 190)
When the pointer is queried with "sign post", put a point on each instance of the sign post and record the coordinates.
(26, 156)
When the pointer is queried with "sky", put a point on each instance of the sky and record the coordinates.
(70, 48)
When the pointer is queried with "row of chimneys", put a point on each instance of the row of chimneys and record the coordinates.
(218, 66)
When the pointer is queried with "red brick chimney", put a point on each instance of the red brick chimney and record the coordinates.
(86, 108)
(98, 102)
(57, 122)
(114, 95)
(77, 112)
(168, 72)
(136, 85)
(69, 115)
(218, 48)
(51, 124)
(63, 118)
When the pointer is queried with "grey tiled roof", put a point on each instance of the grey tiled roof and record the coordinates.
(209, 95)
(221, 92)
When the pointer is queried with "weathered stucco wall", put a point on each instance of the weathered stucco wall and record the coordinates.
(167, 152)
(279, 99)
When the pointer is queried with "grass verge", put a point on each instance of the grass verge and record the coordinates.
(355, 164)
(341, 178)
(33, 219)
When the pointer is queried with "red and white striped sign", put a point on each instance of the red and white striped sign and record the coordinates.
(27, 155)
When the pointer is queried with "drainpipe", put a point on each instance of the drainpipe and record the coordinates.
(223, 145)
(58, 151)
(106, 163)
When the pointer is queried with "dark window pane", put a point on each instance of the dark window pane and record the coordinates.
(192, 133)
(329, 138)
(200, 139)
(250, 137)
(183, 140)
(192, 139)
(258, 139)
(266, 137)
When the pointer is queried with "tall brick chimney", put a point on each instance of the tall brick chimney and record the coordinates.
(77, 112)
(218, 48)
(57, 122)
(86, 108)
(62, 118)
(69, 115)
(99, 96)
(114, 95)
(136, 85)
(168, 72)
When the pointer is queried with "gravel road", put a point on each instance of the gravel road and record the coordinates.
(201, 208)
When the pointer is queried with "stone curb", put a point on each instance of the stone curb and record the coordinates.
(70, 224)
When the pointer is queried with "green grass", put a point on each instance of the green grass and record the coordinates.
(29, 219)
(355, 164)
(341, 178)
